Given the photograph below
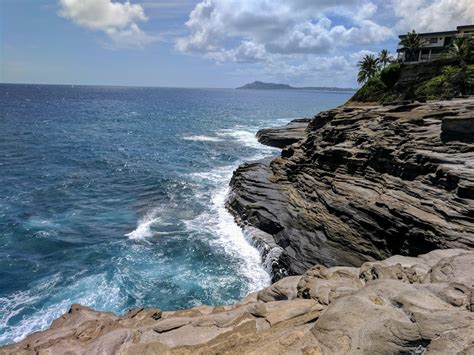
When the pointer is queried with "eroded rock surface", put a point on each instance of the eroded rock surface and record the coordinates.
(366, 183)
(403, 305)
(283, 136)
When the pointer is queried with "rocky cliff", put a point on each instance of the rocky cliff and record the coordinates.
(363, 184)
(402, 305)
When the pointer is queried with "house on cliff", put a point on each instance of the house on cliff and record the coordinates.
(433, 44)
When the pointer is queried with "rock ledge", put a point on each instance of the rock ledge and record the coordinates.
(365, 183)
(400, 305)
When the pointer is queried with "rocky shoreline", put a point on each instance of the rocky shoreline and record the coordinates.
(364, 183)
(402, 305)
(353, 186)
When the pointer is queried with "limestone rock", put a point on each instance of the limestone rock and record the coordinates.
(285, 289)
(342, 311)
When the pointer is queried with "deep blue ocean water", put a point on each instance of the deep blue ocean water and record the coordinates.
(113, 197)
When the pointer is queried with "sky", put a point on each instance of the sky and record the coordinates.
(207, 43)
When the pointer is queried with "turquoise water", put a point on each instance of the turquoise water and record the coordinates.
(113, 197)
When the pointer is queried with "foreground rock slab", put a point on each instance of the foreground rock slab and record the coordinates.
(407, 305)
(365, 183)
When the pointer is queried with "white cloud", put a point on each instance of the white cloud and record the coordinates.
(322, 37)
(286, 40)
(315, 70)
(246, 52)
(427, 16)
(117, 20)
(300, 38)
(279, 26)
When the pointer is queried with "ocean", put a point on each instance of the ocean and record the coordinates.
(113, 197)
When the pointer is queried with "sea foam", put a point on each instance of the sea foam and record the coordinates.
(143, 230)
(200, 138)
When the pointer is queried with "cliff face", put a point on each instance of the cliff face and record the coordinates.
(401, 305)
(364, 184)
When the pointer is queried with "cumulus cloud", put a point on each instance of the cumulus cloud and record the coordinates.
(285, 39)
(439, 15)
(119, 21)
(311, 36)
(277, 27)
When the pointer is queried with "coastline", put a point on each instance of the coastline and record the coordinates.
(322, 309)
(371, 182)
(398, 305)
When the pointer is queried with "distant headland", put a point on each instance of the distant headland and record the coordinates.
(259, 85)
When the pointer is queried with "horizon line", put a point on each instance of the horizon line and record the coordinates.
(173, 87)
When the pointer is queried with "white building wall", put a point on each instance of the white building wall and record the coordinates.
(433, 41)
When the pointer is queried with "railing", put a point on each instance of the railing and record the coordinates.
(461, 35)
(424, 57)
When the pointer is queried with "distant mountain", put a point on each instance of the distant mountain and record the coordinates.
(259, 85)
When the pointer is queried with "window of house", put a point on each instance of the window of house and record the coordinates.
(433, 40)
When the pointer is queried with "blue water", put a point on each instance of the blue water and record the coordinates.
(113, 197)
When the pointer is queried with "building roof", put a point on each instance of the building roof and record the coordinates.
(445, 33)
(465, 27)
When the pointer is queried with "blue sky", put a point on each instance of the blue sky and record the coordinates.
(207, 43)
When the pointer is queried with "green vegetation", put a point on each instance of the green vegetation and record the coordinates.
(376, 76)
(368, 68)
(371, 66)
(390, 75)
(373, 90)
(452, 82)
(411, 42)
(386, 80)
(385, 57)
(462, 50)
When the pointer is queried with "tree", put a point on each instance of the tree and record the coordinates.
(411, 42)
(368, 68)
(385, 57)
(461, 49)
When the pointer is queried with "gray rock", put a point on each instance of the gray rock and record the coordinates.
(364, 184)
(283, 136)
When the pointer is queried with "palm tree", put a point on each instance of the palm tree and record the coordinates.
(368, 68)
(462, 50)
(411, 42)
(385, 57)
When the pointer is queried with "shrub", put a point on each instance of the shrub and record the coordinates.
(451, 71)
(373, 90)
(452, 81)
(432, 88)
(390, 75)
